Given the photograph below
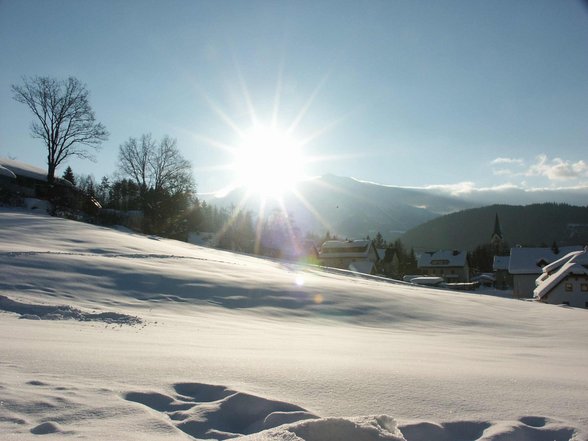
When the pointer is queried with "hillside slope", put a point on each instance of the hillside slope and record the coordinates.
(531, 225)
(215, 345)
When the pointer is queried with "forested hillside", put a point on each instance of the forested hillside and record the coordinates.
(531, 225)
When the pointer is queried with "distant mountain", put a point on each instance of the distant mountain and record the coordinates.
(351, 208)
(531, 225)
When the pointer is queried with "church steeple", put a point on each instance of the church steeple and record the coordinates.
(496, 237)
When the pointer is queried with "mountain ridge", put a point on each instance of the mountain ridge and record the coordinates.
(530, 225)
(352, 208)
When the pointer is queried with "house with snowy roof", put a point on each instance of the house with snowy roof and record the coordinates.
(354, 255)
(452, 265)
(565, 281)
(29, 183)
(526, 264)
(26, 176)
(501, 274)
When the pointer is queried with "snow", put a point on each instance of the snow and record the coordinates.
(500, 263)
(23, 169)
(529, 260)
(425, 280)
(230, 345)
(18, 168)
(332, 249)
(579, 257)
(442, 259)
(569, 268)
(5, 172)
(362, 266)
(345, 244)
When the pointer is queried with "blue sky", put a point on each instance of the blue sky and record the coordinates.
(410, 93)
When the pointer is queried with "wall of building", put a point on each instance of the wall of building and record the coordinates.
(450, 274)
(573, 290)
(523, 285)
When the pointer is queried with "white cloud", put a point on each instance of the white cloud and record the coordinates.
(501, 160)
(558, 169)
(507, 164)
(503, 172)
(454, 189)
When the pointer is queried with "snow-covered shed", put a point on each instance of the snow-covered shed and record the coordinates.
(355, 255)
(565, 281)
(452, 265)
(526, 264)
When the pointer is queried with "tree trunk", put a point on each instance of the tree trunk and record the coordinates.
(51, 173)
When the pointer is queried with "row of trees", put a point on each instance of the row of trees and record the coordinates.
(153, 176)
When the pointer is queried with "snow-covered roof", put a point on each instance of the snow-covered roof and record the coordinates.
(442, 259)
(580, 257)
(345, 244)
(567, 269)
(347, 248)
(25, 170)
(532, 260)
(484, 278)
(500, 263)
(5, 172)
(362, 266)
(381, 252)
(427, 280)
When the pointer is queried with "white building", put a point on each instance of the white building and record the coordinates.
(503, 279)
(355, 255)
(526, 264)
(451, 265)
(565, 281)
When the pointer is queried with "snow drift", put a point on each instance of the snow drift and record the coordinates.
(235, 346)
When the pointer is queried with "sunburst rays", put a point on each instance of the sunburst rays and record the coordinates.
(240, 134)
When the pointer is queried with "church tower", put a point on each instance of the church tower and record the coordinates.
(496, 239)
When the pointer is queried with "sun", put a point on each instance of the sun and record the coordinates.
(268, 161)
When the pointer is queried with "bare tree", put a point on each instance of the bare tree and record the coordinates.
(171, 171)
(65, 120)
(156, 166)
(135, 158)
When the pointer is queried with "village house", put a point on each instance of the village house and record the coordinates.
(503, 279)
(526, 264)
(27, 185)
(565, 281)
(354, 255)
(26, 179)
(451, 265)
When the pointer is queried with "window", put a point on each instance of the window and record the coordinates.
(584, 287)
(569, 287)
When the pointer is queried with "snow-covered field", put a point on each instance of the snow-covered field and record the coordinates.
(110, 335)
